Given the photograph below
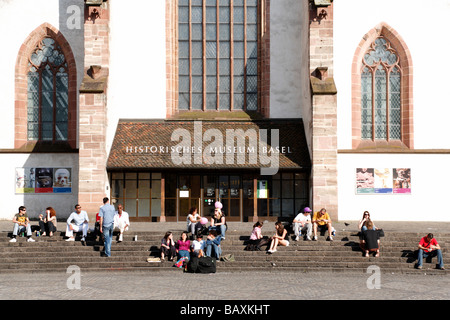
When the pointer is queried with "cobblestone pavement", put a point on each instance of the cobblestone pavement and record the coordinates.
(223, 286)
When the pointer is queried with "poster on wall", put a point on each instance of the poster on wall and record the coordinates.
(43, 180)
(365, 181)
(383, 181)
(402, 180)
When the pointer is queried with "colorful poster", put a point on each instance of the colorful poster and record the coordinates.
(43, 180)
(365, 180)
(62, 180)
(402, 180)
(383, 180)
(25, 180)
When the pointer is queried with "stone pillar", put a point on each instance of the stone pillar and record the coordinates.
(324, 110)
(93, 180)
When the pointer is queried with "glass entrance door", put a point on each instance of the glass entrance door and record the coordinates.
(189, 195)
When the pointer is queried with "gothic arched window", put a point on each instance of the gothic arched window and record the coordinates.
(381, 92)
(48, 93)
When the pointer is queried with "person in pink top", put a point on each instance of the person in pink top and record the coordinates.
(256, 232)
(183, 246)
(256, 238)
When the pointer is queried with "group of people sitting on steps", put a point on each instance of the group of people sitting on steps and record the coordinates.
(78, 221)
(196, 225)
(303, 224)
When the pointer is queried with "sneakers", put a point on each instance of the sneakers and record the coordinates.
(297, 238)
(315, 238)
(121, 238)
(28, 240)
(83, 239)
(308, 238)
(70, 239)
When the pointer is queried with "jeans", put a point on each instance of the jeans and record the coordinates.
(422, 254)
(18, 229)
(220, 229)
(108, 234)
(217, 250)
(183, 253)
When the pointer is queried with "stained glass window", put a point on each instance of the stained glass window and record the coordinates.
(218, 55)
(48, 97)
(381, 93)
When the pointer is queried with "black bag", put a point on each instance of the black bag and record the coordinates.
(206, 265)
(252, 247)
(192, 266)
(255, 245)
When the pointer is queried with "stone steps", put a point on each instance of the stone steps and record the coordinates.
(341, 255)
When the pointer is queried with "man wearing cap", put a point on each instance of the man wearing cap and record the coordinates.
(302, 223)
(322, 219)
(428, 246)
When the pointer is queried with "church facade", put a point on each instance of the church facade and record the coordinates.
(265, 106)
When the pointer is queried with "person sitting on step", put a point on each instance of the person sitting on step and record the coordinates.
(279, 238)
(371, 240)
(21, 223)
(213, 243)
(321, 220)
(428, 246)
(121, 221)
(77, 221)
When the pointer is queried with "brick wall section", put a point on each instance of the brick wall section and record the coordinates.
(324, 113)
(171, 58)
(264, 57)
(321, 38)
(93, 111)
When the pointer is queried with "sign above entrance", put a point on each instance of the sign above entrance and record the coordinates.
(265, 145)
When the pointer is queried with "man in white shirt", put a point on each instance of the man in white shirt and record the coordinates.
(121, 221)
(302, 223)
(80, 222)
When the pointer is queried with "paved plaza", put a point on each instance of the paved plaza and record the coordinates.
(223, 286)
